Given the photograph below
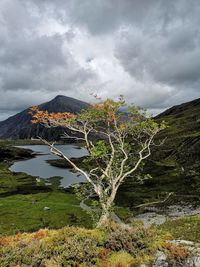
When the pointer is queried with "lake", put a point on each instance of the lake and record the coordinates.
(39, 167)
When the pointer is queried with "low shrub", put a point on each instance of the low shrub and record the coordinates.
(131, 240)
(114, 246)
(69, 246)
(176, 254)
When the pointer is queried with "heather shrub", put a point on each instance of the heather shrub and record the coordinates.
(131, 240)
(115, 246)
(69, 246)
(177, 254)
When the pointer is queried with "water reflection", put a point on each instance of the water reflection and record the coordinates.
(39, 167)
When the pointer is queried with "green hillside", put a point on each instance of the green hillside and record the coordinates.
(175, 165)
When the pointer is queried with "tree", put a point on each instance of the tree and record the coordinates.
(123, 141)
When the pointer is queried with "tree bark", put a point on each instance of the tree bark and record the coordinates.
(104, 219)
(106, 210)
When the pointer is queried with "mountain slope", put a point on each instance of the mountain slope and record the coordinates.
(19, 126)
(182, 142)
(175, 165)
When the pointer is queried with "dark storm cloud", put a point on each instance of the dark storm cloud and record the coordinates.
(150, 49)
(172, 58)
(100, 16)
(161, 39)
(30, 61)
(38, 63)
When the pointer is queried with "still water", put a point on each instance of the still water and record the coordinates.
(39, 167)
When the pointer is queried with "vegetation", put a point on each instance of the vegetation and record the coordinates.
(10, 182)
(125, 142)
(26, 212)
(23, 199)
(26, 206)
(175, 165)
(16, 182)
(183, 228)
(180, 150)
(18, 142)
(72, 246)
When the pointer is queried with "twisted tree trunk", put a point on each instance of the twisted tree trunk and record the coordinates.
(106, 205)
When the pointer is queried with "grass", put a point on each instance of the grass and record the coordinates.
(15, 182)
(22, 200)
(26, 212)
(187, 228)
(19, 142)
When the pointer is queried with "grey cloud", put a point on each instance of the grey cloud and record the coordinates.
(156, 45)
(153, 56)
(32, 63)
(170, 54)
(101, 16)
(38, 63)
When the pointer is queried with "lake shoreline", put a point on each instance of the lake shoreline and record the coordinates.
(38, 165)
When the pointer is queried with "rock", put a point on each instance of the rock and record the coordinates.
(158, 215)
(194, 259)
(161, 260)
(150, 218)
(182, 210)
(46, 208)
(181, 242)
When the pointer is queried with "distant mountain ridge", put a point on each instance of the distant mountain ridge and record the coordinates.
(19, 126)
(183, 119)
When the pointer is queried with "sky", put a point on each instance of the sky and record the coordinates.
(146, 50)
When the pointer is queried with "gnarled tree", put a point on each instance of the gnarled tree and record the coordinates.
(123, 141)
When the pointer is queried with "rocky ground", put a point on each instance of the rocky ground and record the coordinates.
(159, 215)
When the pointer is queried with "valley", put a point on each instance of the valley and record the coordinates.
(36, 194)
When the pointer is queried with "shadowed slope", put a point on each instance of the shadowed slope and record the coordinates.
(19, 126)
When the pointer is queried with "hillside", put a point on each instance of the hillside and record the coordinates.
(175, 165)
(182, 142)
(19, 126)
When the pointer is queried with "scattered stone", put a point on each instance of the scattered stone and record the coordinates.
(150, 218)
(182, 242)
(46, 208)
(182, 210)
(158, 215)
(195, 260)
(161, 260)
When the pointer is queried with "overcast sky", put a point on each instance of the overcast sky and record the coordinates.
(147, 50)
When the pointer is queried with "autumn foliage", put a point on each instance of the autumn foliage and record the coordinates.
(50, 119)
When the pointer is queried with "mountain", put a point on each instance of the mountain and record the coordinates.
(19, 126)
(175, 165)
(182, 142)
